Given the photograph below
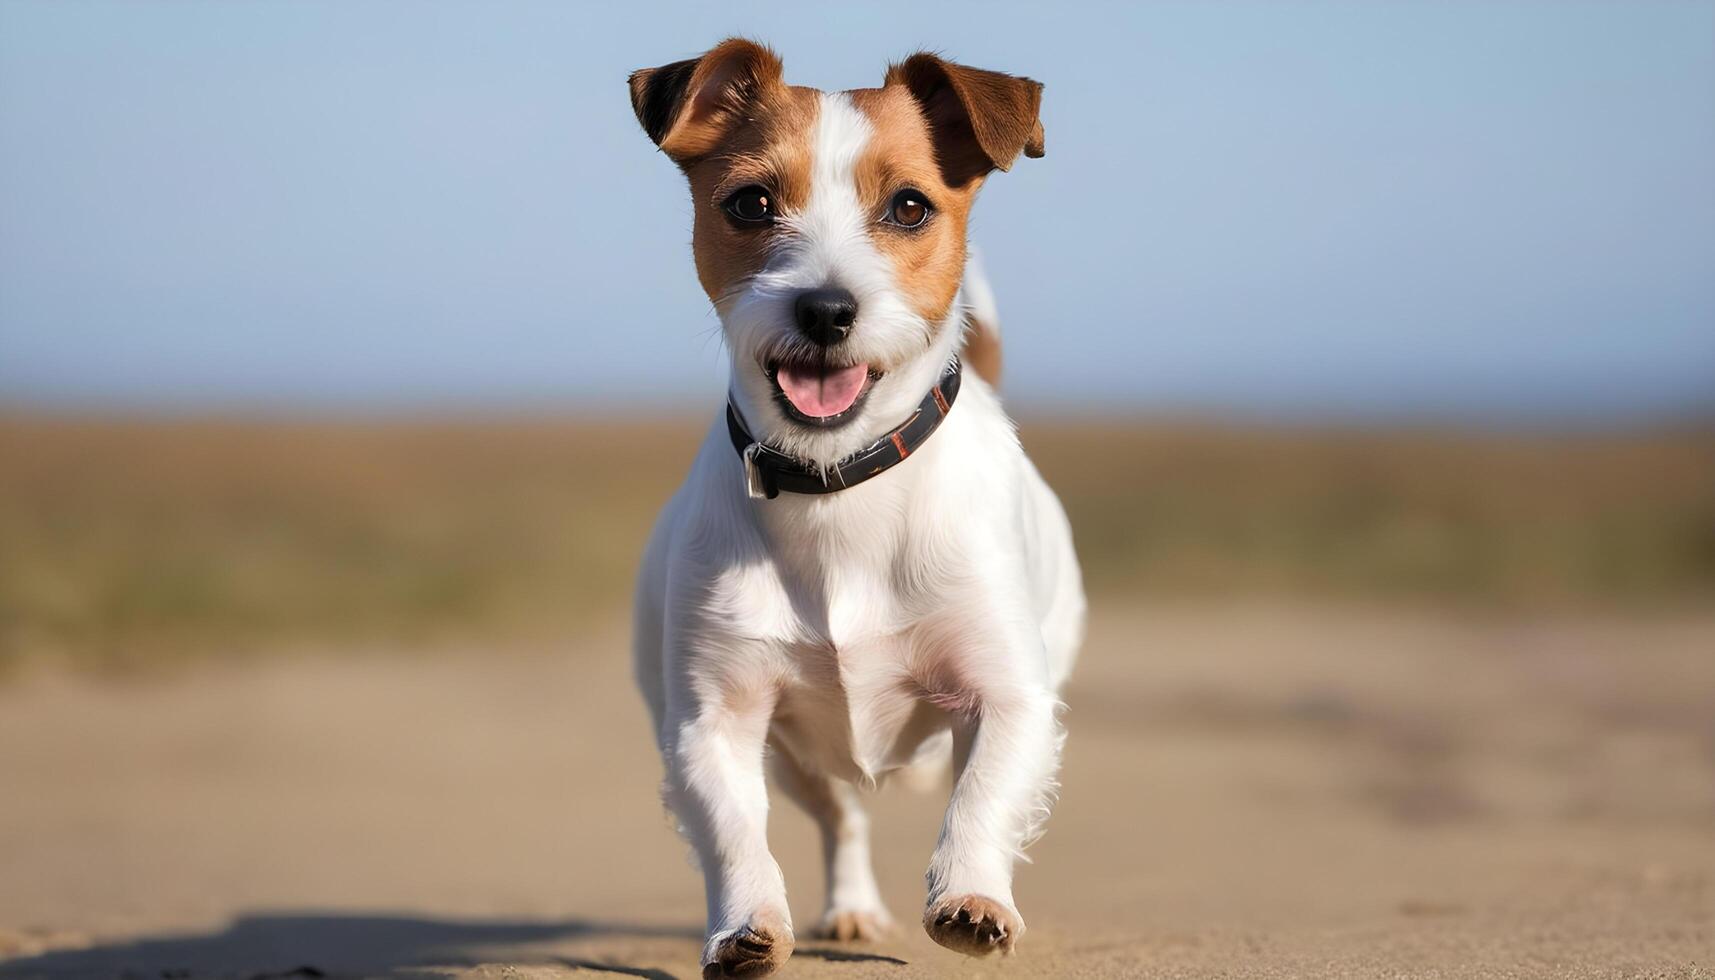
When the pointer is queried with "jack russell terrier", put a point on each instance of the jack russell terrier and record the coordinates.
(863, 573)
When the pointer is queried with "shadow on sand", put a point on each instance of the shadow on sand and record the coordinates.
(300, 946)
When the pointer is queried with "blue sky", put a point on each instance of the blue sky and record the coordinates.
(1366, 211)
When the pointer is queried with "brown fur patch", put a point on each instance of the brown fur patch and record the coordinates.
(982, 351)
(729, 120)
(771, 149)
(928, 261)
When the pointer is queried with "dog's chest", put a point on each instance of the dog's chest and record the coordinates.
(849, 702)
(854, 711)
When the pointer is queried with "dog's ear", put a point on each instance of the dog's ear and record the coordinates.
(980, 120)
(688, 106)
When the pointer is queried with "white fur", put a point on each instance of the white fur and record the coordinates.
(849, 633)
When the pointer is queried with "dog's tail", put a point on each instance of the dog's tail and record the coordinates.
(982, 323)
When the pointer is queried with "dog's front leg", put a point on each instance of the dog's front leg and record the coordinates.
(1006, 748)
(716, 787)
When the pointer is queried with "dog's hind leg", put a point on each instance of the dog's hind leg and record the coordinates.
(854, 909)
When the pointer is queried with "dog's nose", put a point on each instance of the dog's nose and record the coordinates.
(825, 315)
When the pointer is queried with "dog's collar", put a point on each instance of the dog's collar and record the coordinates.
(767, 470)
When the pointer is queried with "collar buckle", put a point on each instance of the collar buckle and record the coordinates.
(758, 482)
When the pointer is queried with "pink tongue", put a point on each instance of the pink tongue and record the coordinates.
(819, 394)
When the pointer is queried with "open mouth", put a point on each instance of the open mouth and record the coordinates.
(822, 395)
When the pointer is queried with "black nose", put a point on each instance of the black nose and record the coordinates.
(825, 315)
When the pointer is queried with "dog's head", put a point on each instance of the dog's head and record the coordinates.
(830, 226)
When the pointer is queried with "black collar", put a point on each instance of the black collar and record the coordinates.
(767, 470)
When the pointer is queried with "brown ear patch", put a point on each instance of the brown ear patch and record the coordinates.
(981, 120)
(657, 95)
(688, 107)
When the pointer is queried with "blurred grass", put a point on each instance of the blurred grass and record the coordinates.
(126, 542)
(1394, 515)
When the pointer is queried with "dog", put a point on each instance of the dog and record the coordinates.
(862, 573)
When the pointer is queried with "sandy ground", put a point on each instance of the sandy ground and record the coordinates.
(1250, 790)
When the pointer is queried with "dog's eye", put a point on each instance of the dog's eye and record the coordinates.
(752, 205)
(909, 209)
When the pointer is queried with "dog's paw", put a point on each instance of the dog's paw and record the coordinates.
(845, 925)
(973, 925)
(756, 950)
